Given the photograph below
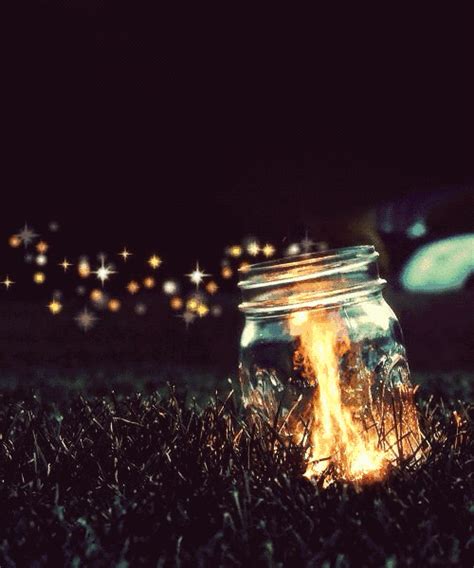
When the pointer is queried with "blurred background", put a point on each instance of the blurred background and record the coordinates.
(183, 133)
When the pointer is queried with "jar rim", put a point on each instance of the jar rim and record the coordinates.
(310, 279)
(325, 259)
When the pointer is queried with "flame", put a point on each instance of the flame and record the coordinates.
(350, 437)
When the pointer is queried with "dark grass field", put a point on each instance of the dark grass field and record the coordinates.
(102, 465)
(152, 480)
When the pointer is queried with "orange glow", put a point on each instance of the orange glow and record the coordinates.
(345, 423)
(176, 303)
(83, 268)
(96, 295)
(133, 287)
(114, 305)
(149, 282)
(211, 287)
(244, 267)
(42, 247)
(14, 241)
(226, 272)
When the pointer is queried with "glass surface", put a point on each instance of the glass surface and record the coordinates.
(322, 358)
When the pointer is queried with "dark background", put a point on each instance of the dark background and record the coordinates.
(184, 131)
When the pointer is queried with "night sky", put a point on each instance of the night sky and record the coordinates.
(184, 132)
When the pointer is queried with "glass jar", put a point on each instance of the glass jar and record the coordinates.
(322, 360)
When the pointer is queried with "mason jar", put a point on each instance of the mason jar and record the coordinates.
(322, 361)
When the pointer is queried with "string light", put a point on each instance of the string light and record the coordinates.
(176, 303)
(86, 320)
(104, 271)
(268, 250)
(211, 287)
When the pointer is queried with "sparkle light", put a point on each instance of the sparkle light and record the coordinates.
(39, 277)
(226, 272)
(197, 275)
(65, 264)
(140, 309)
(104, 271)
(211, 287)
(170, 287)
(84, 268)
(188, 318)
(154, 261)
(14, 241)
(253, 249)
(55, 306)
(192, 304)
(235, 251)
(293, 249)
(268, 250)
(125, 254)
(149, 282)
(7, 283)
(114, 305)
(216, 311)
(42, 247)
(202, 310)
(133, 287)
(86, 319)
(27, 235)
(41, 259)
(244, 266)
(96, 295)
(176, 303)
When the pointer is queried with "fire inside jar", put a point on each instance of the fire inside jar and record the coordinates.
(322, 358)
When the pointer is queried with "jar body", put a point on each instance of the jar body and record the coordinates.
(334, 376)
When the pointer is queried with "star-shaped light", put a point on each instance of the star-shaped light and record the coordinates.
(65, 264)
(268, 250)
(7, 283)
(188, 318)
(27, 235)
(154, 261)
(86, 319)
(133, 286)
(42, 247)
(104, 271)
(55, 306)
(197, 275)
(253, 249)
(202, 310)
(125, 254)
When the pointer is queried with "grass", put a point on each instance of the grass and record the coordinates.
(150, 480)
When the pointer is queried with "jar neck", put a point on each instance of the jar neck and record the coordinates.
(309, 281)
